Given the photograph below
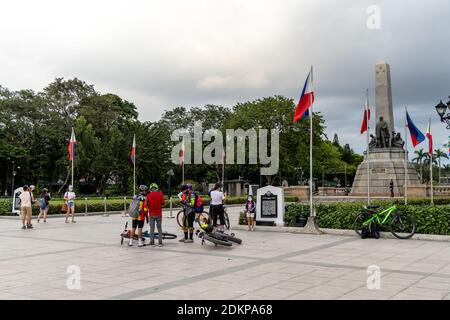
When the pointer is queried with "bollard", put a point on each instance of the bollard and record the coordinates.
(85, 206)
(124, 207)
(105, 214)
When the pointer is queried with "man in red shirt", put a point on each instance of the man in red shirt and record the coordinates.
(155, 201)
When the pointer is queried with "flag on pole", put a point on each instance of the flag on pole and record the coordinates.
(72, 143)
(133, 151)
(430, 138)
(417, 136)
(366, 119)
(306, 99)
(182, 152)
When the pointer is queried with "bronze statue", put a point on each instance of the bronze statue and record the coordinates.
(382, 133)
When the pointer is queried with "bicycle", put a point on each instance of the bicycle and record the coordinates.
(126, 233)
(203, 217)
(401, 225)
(216, 236)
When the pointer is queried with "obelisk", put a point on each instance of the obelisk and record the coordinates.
(383, 94)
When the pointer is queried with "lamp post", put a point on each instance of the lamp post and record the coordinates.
(441, 109)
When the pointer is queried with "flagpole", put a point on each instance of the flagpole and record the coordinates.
(72, 155)
(223, 172)
(134, 165)
(367, 147)
(312, 213)
(431, 162)
(406, 159)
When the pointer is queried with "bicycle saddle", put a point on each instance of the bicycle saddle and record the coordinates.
(372, 207)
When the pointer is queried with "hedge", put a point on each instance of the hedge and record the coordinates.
(429, 219)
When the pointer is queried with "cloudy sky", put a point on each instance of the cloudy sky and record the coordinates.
(163, 54)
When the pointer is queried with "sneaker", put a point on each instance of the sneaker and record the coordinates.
(140, 243)
(160, 245)
(24, 227)
(152, 243)
(188, 241)
(182, 240)
(30, 226)
(130, 243)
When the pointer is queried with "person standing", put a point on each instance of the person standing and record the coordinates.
(44, 204)
(391, 188)
(69, 197)
(138, 222)
(188, 201)
(216, 204)
(250, 208)
(155, 201)
(26, 210)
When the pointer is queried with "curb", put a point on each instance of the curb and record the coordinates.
(341, 232)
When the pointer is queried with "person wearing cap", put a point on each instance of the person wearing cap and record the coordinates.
(69, 197)
(26, 203)
(155, 201)
(44, 204)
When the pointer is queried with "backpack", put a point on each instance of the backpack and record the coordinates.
(133, 209)
(370, 231)
(42, 203)
(198, 208)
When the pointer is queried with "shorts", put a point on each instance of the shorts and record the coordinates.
(26, 212)
(71, 204)
(137, 224)
(250, 214)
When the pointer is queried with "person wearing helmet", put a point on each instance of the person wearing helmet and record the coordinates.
(188, 201)
(69, 197)
(155, 201)
(138, 223)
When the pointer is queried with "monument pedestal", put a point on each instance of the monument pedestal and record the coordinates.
(385, 164)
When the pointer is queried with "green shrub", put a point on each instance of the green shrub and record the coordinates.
(429, 219)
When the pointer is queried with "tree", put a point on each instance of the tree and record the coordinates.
(439, 155)
(420, 156)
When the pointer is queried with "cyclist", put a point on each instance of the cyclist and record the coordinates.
(140, 220)
(155, 201)
(188, 201)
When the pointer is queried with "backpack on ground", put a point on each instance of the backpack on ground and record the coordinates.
(370, 231)
(133, 209)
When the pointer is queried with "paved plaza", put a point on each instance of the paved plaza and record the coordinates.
(268, 265)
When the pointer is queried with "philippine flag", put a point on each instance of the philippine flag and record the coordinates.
(366, 119)
(416, 135)
(430, 138)
(306, 99)
(182, 153)
(72, 143)
(133, 151)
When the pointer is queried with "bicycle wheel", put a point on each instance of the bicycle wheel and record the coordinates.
(227, 221)
(217, 241)
(203, 217)
(232, 238)
(402, 226)
(359, 222)
(180, 216)
(168, 236)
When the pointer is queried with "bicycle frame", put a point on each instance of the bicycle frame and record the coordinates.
(381, 217)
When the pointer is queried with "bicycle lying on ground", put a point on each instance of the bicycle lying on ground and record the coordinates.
(146, 234)
(401, 225)
(203, 217)
(216, 236)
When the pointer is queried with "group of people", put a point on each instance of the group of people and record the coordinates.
(27, 200)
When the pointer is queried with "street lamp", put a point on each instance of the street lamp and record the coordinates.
(441, 109)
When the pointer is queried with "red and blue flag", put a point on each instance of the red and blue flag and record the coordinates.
(416, 135)
(306, 99)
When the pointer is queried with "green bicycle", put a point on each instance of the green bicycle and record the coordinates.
(401, 225)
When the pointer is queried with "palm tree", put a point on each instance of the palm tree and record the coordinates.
(419, 159)
(440, 154)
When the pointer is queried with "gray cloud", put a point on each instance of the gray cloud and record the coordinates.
(163, 54)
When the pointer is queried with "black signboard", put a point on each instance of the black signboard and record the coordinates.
(269, 205)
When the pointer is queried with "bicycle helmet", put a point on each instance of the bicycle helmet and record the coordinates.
(189, 186)
(143, 187)
(154, 187)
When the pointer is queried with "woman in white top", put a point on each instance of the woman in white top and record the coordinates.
(216, 204)
(69, 197)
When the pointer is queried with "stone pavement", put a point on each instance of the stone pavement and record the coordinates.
(268, 265)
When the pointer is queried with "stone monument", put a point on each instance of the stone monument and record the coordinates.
(386, 149)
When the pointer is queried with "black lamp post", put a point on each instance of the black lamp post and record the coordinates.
(441, 109)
